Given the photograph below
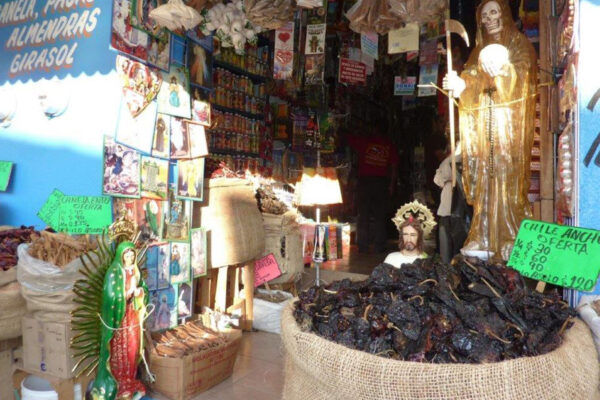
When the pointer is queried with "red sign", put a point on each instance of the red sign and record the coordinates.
(352, 72)
(265, 269)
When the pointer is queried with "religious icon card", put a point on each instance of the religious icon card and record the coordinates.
(139, 16)
(162, 264)
(139, 84)
(162, 131)
(166, 311)
(145, 213)
(174, 95)
(201, 106)
(197, 138)
(136, 132)
(200, 65)
(155, 178)
(121, 170)
(180, 140)
(159, 51)
(179, 265)
(198, 250)
(124, 37)
(176, 219)
(151, 275)
(185, 303)
(190, 179)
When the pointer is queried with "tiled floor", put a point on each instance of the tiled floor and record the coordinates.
(258, 371)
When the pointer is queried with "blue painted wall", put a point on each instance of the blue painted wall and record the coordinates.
(64, 152)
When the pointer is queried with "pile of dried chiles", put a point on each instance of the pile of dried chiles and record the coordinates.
(470, 312)
(10, 239)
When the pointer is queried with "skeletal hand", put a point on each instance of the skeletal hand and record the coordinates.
(494, 60)
(452, 82)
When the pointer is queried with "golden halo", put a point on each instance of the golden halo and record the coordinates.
(418, 211)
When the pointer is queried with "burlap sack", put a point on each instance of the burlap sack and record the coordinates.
(234, 223)
(316, 368)
(12, 309)
(284, 240)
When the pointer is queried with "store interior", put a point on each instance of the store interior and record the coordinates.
(289, 199)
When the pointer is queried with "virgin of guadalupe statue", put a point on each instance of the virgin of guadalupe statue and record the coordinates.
(109, 320)
(497, 119)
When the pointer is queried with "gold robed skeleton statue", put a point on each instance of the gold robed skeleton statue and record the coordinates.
(497, 119)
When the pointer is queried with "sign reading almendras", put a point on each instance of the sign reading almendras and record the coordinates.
(47, 38)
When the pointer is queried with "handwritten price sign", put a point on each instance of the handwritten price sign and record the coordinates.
(562, 255)
(265, 269)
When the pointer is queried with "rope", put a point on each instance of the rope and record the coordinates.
(495, 105)
(132, 326)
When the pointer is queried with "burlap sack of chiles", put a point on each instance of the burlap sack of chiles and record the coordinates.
(316, 368)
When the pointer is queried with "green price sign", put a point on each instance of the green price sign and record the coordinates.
(76, 214)
(5, 171)
(562, 255)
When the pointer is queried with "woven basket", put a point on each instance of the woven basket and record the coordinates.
(316, 368)
(235, 225)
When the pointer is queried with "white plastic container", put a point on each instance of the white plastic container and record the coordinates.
(36, 388)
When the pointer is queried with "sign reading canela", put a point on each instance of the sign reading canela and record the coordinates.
(562, 255)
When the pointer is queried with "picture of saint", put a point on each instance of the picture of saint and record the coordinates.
(121, 170)
(162, 128)
(163, 257)
(179, 266)
(197, 137)
(190, 179)
(174, 96)
(155, 176)
(198, 258)
(200, 63)
(200, 107)
(180, 142)
(184, 309)
(124, 37)
(176, 219)
(166, 312)
(159, 51)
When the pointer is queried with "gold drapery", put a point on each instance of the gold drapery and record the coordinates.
(497, 122)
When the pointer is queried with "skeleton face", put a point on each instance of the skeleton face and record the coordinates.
(491, 18)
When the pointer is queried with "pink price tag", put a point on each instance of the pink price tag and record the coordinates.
(265, 269)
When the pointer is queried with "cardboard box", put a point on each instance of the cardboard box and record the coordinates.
(65, 388)
(46, 347)
(182, 378)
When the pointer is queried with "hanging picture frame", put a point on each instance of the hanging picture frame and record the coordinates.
(179, 264)
(159, 51)
(197, 139)
(121, 170)
(176, 219)
(201, 111)
(147, 215)
(163, 256)
(185, 303)
(190, 179)
(140, 84)
(174, 96)
(179, 139)
(162, 132)
(198, 252)
(166, 308)
(155, 178)
(136, 132)
(139, 16)
(124, 37)
(200, 65)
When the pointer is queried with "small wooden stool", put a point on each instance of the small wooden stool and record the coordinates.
(220, 290)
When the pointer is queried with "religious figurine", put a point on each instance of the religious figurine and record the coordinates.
(110, 318)
(497, 91)
(413, 221)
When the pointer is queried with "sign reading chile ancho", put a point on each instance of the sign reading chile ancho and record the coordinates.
(562, 255)
(352, 72)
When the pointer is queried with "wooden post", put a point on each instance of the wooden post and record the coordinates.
(248, 280)
(221, 294)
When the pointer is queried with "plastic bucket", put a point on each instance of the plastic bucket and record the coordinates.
(36, 388)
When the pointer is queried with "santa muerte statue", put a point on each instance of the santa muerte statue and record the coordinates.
(109, 319)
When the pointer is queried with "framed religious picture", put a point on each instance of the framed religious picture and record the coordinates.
(124, 37)
(180, 140)
(176, 219)
(197, 139)
(198, 252)
(200, 65)
(166, 311)
(159, 51)
(162, 133)
(153, 303)
(151, 275)
(190, 179)
(185, 304)
(139, 84)
(139, 16)
(145, 213)
(121, 170)
(174, 96)
(137, 132)
(179, 265)
(162, 265)
(200, 106)
(155, 178)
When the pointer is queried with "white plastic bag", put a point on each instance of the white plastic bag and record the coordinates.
(267, 315)
(591, 318)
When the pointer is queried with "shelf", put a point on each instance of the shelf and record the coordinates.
(236, 111)
(238, 70)
(233, 153)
